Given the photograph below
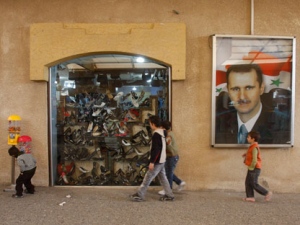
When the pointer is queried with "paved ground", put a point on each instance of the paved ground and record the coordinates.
(112, 206)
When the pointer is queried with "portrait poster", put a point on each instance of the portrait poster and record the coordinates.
(253, 89)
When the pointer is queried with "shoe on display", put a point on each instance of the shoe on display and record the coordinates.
(97, 112)
(141, 96)
(124, 97)
(64, 177)
(162, 192)
(83, 170)
(96, 134)
(126, 143)
(90, 127)
(99, 106)
(109, 95)
(135, 103)
(118, 96)
(145, 136)
(95, 82)
(122, 130)
(166, 198)
(136, 197)
(95, 128)
(72, 98)
(181, 186)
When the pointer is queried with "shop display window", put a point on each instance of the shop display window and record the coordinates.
(99, 108)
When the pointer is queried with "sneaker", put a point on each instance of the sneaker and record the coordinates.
(162, 192)
(100, 106)
(118, 96)
(90, 127)
(126, 143)
(136, 197)
(97, 112)
(166, 198)
(17, 196)
(181, 186)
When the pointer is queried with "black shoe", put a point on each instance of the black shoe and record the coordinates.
(166, 198)
(28, 192)
(17, 196)
(136, 197)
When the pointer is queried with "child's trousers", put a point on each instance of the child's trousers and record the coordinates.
(25, 178)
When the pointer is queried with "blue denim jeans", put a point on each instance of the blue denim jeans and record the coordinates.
(170, 166)
(159, 171)
(251, 184)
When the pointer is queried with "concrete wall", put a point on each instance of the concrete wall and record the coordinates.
(201, 166)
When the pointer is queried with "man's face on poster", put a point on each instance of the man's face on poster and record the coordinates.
(244, 92)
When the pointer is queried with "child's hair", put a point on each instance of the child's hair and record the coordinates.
(255, 135)
(13, 151)
(166, 125)
(155, 120)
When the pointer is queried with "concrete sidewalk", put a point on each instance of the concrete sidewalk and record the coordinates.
(89, 205)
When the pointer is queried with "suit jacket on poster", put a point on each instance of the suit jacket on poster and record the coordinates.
(273, 126)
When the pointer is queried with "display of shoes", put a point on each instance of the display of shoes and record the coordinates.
(99, 133)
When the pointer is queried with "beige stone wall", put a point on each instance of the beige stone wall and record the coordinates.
(201, 166)
(51, 43)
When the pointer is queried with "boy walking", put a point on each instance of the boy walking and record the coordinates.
(172, 158)
(253, 161)
(157, 163)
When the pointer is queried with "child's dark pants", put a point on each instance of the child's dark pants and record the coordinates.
(25, 178)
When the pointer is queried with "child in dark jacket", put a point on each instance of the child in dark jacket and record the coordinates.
(27, 164)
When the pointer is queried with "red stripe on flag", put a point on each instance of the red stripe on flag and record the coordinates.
(271, 69)
(220, 77)
(287, 67)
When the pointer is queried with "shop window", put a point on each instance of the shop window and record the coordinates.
(100, 105)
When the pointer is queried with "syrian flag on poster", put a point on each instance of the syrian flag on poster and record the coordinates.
(276, 72)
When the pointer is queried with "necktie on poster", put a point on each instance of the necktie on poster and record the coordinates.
(242, 134)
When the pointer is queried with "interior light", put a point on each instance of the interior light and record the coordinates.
(134, 88)
(140, 59)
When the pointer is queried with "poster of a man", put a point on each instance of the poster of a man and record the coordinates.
(252, 90)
